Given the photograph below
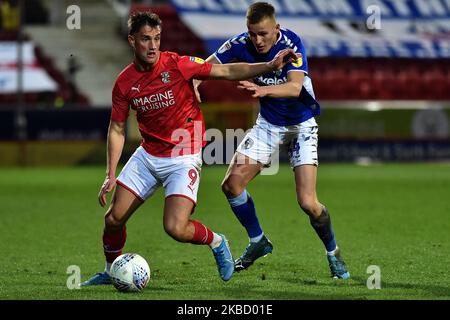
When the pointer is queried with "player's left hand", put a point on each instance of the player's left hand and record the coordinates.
(107, 186)
(284, 57)
(257, 91)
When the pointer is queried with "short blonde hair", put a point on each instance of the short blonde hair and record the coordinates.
(258, 11)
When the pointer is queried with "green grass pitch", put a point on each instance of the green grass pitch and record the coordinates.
(393, 216)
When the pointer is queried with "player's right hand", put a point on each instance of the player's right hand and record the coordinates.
(257, 91)
(107, 186)
(284, 57)
(195, 84)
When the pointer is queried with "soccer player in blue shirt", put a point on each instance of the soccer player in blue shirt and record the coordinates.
(286, 117)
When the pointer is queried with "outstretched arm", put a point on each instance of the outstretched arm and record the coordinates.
(241, 71)
(115, 143)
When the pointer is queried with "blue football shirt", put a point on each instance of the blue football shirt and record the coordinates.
(278, 111)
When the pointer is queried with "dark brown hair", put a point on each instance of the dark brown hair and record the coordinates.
(140, 19)
(258, 11)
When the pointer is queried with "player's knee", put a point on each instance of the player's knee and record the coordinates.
(177, 231)
(308, 205)
(113, 223)
(232, 188)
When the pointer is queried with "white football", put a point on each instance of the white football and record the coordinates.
(130, 272)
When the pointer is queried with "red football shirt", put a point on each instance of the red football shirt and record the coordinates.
(170, 120)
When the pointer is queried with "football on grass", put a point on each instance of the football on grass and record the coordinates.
(130, 272)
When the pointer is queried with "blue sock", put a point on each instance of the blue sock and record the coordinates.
(324, 230)
(244, 209)
(330, 245)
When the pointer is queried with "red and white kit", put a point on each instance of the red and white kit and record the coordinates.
(170, 122)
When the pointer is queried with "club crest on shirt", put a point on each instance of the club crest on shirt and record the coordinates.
(197, 60)
(165, 77)
(248, 143)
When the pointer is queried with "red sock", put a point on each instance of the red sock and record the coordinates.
(202, 235)
(113, 244)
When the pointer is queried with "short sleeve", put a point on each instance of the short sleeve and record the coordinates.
(194, 67)
(230, 49)
(302, 63)
(120, 105)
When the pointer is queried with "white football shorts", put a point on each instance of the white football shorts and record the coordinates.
(264, 141)
(143, 174)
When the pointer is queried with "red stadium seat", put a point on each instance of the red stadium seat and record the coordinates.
(435, 83)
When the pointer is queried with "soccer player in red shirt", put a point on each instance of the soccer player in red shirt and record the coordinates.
(158, 87)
